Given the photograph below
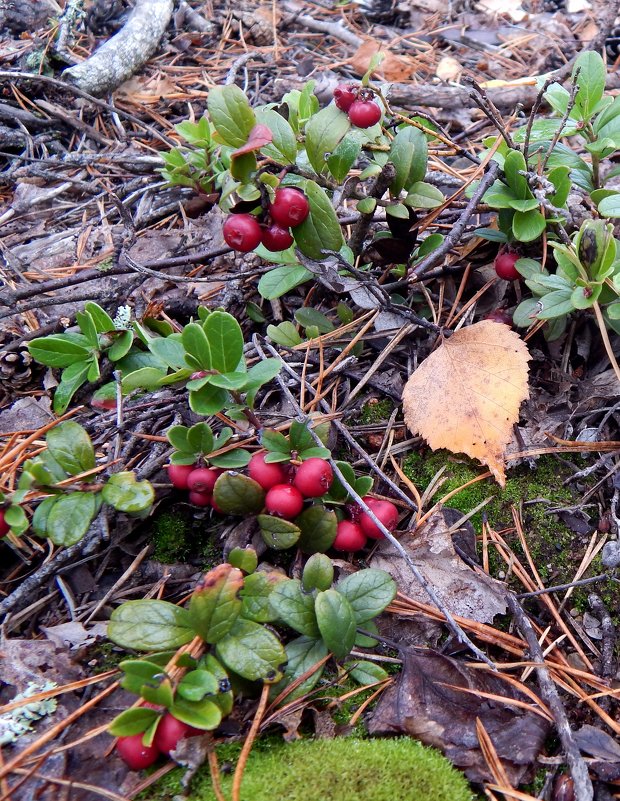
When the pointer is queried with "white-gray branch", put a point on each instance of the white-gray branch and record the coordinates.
(126, 52)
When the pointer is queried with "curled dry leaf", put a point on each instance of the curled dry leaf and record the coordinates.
(466, 395)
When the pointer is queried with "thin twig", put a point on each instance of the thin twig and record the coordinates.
(576, 764)
(249, 742)
(451, 240)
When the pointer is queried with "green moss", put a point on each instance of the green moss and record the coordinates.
(376, 410)
(170, 538)
(345, 768)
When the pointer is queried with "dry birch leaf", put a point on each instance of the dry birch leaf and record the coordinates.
(466, 396)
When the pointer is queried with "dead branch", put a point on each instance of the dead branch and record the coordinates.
(576, 764)
(126, 52)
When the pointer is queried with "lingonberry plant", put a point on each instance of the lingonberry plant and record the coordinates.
(183, 695)
(63, 484)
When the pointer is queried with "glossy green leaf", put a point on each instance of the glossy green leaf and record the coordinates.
(302, 653)
(208, 400)
(336, 622)
(525, 314)
(103, 321)
(150, 626)
(585, 297)
(70, 446)
(424, 196)
(277, 533)
(409, 155)
(196, 684)
(205, 714)
(199, 438)
(610, 206)
(246, 559)
(169, 350)
(295, 607)
(281, 280)
(138, 672)
(369, 592)
(15, 517)
(126, 494)
(39, 518)
(70, 517)
(132, 721)
(318, 529)
(232, 460)
(59, 350)
(237, 494)
(225, 341)
(318, 573)
(364, 672)
(215, 603)
(590, 74)
(231, 114)
(528, 225)
(323, 133)
(265, 371)
(283, 147)
(252, 651)
(145, 378)
(344, 156)
(255, 594)
(196, 344)
(320, 230)
(555, 304)
(73, 377)
(121, 346)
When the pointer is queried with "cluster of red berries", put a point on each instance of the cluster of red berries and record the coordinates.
(287, 488)
(353, 534)
(169, 731)
(199, 481)
(244, 232)
(4, 526)
(351, 99)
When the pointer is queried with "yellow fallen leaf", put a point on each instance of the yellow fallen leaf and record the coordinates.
(466, 395)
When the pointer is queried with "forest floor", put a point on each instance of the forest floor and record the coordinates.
(81, 191)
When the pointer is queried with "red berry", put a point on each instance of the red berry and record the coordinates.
(200, 499)
(202, 479)
(283, 500)
(4, 526)
(345, 94)
(499, 316)
(169, 732)
(289, 208)
(313, 477)
(349, 537)
(179, 473)
(364, 113)
(135, 755)
(275, 238)
(385, 511)
(505, 265)
(267, 474)
(242, 232)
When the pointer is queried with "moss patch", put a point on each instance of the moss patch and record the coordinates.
(178, 536)
(347, 769)
(376, 410)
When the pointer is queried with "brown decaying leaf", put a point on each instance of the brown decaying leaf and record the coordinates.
(392, 68)
(466, 395)
(424, 703)
(463, 591)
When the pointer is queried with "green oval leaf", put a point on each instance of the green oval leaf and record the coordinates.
(336, 622)
(281, 280)
(70, 517)
(71, 447)
(238, 495)
(528, 225)
(283, 147)
(252, 651)
(302, 653)
(59, 350)
(365, 672)
(409, 155)
(318, 529)
(323, 133)
(126, 494)
(277, 533)
(231, 114)
(295, 607)
(255, 595)
(369, 592)
(150, 626)
(215, 603)
(205, 714)
(320, 230)
(424, 196)
(133, 721)
(225, 341)
(196, 684)
(318, 573)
